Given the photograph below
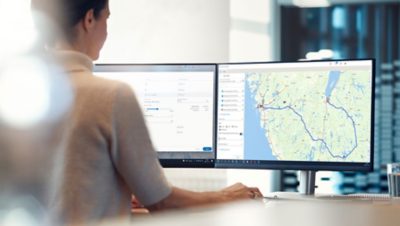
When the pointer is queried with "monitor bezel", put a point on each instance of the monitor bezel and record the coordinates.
(302, 165)
(179, 162)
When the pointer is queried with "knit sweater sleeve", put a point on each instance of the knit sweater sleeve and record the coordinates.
(132, 151)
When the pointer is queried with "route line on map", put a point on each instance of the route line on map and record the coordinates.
(319, 139)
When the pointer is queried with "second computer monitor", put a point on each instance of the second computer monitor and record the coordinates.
(177, 101)
(300, 115)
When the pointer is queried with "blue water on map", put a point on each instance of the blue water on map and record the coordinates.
(332, 81)
(255, 141)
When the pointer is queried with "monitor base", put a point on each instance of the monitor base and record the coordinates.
(306, 187)
(281, 195)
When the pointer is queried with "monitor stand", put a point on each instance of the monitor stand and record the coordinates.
(306, 188)
(307, 182)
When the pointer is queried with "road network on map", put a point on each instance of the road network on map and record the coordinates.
(314, 115)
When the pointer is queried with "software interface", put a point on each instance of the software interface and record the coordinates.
(307, 111)
(178, 105)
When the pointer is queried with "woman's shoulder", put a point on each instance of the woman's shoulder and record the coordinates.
(95, 83)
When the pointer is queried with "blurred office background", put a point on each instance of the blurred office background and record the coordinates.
(199, 31)
(188, 31)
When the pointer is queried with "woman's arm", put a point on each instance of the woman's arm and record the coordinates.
(181, 198)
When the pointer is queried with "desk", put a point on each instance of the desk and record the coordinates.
(330, 212)
(280, 212)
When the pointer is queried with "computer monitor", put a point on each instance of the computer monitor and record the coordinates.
(307, 115)
(178, 104)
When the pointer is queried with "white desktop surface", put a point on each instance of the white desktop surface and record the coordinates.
(280, 212)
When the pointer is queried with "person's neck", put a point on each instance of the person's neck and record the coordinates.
(64, 45)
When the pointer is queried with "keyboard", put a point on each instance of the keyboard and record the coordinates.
(333, 197)
(357, 197)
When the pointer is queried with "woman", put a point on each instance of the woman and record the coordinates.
(109, 155)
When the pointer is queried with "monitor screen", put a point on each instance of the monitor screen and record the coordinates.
(309, 115)
(178, 105)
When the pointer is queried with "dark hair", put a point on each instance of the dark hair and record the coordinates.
(76, 10)
(65, 14)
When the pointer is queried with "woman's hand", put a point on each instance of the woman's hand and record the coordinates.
(240, 191)
(137, 207)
